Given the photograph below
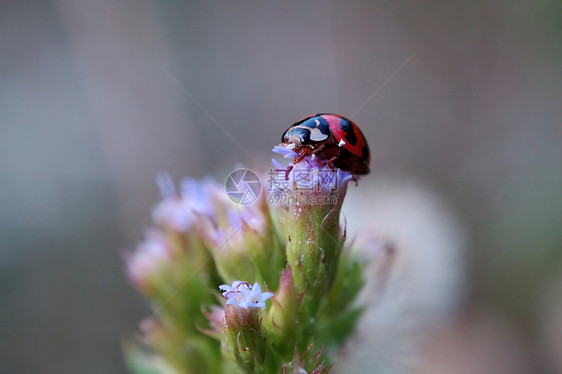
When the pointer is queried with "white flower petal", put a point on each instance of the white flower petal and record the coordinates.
(266, 296)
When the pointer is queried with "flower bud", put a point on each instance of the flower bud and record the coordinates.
(244, 243)
(177, 211)
(314, 195)
(282, 317)
(145, 266)
(246, 339)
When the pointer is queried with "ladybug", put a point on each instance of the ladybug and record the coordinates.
(332, 139)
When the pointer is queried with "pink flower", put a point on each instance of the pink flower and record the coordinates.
(148, 258)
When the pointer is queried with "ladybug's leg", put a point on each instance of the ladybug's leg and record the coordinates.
(302, 154)
(331, 165)
(289, 168)
(330, 162)
(300, 158)
(320, 147)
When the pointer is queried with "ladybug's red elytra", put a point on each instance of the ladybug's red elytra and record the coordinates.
(331, 138)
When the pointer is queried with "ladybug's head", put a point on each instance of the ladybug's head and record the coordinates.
(297, 136)
(309, 131)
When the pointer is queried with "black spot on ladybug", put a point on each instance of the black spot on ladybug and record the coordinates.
(365, 153)
(347, 128)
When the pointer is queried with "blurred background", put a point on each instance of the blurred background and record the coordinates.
(97, 97)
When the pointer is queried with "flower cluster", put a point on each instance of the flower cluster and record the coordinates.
(245, 296)
(202, 242)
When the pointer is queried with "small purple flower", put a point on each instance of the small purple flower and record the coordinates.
(310, 173)
(199, 194)
(245, 296)
(255, 298)
(286, 151)
(235, 219)
(178, 210)
(233, 229)
(236, 285)
(234, 294)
